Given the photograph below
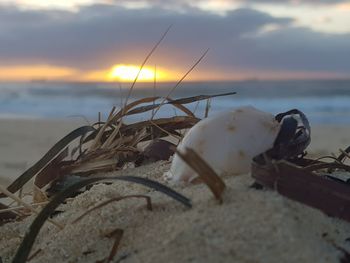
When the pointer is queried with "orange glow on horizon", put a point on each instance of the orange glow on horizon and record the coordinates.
(122, 73)
(128, 73)
(34, 72)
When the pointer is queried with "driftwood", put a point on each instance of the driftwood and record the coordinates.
(295, 181)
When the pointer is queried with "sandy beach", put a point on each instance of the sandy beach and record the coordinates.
(232, 86)
(25, 141)
(250, 225)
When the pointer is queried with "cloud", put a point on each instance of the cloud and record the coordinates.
(173, 3)
(302, 49)
(99, 36)
(102, 34)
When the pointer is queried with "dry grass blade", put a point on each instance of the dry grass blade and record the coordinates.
(180, 81)
(161, 127)
(169, 124)
(20, 201)
(127, 110)
(116, 199)
(56, 149)
(97, 139)
(112, 136)
(206, 173)
(34, 254)
(130, 109)
(207, 108)
(180, 107)
(131, 105)
(147, 108)
(144, 62)
(10, 209)
(199, 98)
(28, 241)
(178, 122)
(157, 186)
(51, 171)
(90, 167)
(177, 103)
(175, 135)
(117, 234)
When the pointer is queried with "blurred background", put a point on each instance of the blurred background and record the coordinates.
(72, 59)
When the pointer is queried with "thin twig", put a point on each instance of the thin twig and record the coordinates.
(116, 199)
(207, 108)
(165, 131)
(143, 64)
(10, 209)
(196, 108)
(34, 254)
(99, 135)
(179, 82)
(154, 85)
(117, 234)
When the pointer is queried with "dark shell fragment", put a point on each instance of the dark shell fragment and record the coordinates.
(6, 216)
(285, 170)
(157, 150)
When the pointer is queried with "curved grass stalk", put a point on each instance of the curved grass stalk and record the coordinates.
(56, 149)
(28, 241)
(116, 199)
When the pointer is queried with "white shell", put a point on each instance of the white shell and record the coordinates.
(227, 141)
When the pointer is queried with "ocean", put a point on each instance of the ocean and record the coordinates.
(323, 101)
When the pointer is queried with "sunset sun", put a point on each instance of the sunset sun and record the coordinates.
(129, 72)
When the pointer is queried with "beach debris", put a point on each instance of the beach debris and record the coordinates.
(293, 138)
(157, 150)
(295, 181)
(227, 141)
(205, 172)
(284, 168)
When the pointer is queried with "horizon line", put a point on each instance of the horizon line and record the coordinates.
(174, 81)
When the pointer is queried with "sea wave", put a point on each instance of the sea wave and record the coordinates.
(324, 102)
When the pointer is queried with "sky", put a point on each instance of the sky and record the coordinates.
(107, 40)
